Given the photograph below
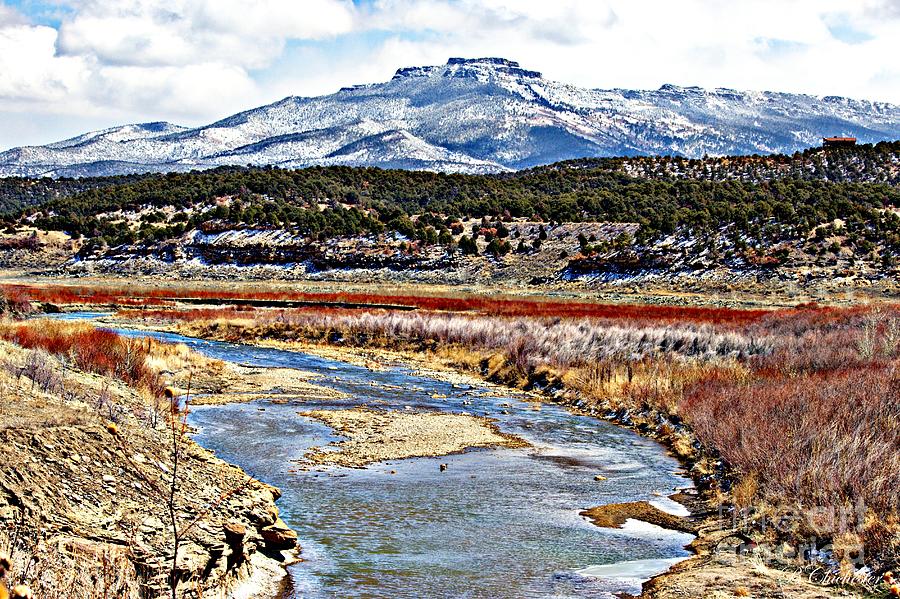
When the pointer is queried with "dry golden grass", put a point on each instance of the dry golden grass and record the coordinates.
(51, 571)
(744, 493)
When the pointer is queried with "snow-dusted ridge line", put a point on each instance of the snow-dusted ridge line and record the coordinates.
(469, 115)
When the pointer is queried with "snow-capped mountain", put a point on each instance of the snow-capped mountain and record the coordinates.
(470, 115)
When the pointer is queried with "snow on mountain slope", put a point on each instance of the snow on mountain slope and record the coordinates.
(470, 115)
(135, 144)
(402, 149)
(121, 134)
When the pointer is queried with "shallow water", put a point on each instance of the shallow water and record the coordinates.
(497, 523)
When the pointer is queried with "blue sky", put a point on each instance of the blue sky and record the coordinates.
(67, 66)
(42, 13)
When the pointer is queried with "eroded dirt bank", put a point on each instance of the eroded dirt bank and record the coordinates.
(87, 499)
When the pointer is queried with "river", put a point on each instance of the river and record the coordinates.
(497, 523)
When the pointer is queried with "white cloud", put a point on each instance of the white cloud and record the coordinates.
(195, 60)
(766, 44)
(189, 90)
(173, 33)
(136, 60)
(30, 69)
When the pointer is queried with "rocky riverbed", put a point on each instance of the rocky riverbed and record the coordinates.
(381, 435)
(240, 383)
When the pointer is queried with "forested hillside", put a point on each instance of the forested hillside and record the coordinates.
(784, 192)
(19, 192)
(879, 163)
(820, 214)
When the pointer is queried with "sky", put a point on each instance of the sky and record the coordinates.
(70, 66)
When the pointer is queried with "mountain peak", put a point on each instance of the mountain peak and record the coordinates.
(469, 67)
(483, 61)
(469, 115)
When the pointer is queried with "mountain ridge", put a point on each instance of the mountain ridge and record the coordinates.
(468, 115)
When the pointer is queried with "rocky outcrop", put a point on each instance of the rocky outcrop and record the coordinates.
(279, 536)
(96, 501)
(243, 248)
